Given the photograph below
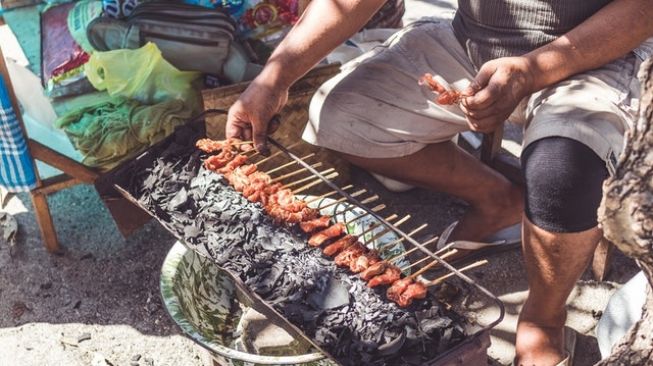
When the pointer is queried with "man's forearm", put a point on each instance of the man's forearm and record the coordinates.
(324, 25)
(609, 34)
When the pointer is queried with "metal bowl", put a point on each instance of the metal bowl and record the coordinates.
(202, 300)
(205, 304)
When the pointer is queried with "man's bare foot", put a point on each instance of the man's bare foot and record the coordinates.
(539, 342)
(499, 211)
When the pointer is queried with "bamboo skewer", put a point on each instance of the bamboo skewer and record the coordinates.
(439, 280)
(375, 209)
(387, 229)
(373, 227)
(343, 199)
(430, 265)
(286, 164)
(292, 174)
(399, 240)
(328, 194)
(352, 207)
(314, 183)
(306, 179)
(444, 256)
(275, 154)
(398, 256)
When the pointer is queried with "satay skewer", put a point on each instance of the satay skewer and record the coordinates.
(374, 226)
(285, 165)
(432, 264)
(328, 194)
(274, 155)
(367, 200)
(306, 179)
(439, 280)
(314, 183)
(443, 256)
(399, 256)
(387, 230)
(375, 209)
(401, 239)
(343, 199)
(293, 173)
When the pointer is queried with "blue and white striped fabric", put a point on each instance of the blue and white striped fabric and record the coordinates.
(16, 167)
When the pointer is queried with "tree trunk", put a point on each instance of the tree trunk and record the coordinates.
(626, 216)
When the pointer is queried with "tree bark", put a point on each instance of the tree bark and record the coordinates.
(626, 216)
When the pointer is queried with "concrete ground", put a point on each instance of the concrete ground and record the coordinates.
(106, 287)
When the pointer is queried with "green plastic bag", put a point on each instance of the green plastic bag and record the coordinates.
(141, 74)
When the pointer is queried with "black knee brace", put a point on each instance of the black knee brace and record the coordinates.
(564, 181)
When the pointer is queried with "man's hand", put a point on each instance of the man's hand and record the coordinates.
(496, 91)
(249, 118)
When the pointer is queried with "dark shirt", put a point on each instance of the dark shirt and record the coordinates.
(490, 29)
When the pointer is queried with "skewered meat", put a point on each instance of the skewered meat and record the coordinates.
(394, 292)
(282, 205)
(239, 177)
(315, 224)
(344, 258)
(237, 161)
(340, 244)
(364, 261)
(374, 270)
(211, 146)
(445, 97)
(388, 277)
(215, 162)
(414, 291)
(332, 231)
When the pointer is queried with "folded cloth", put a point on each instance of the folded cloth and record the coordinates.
(110, 132)
(16, 165)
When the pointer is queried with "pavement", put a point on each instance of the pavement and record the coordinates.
(98, 303)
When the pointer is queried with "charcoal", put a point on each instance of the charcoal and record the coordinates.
(333, 295)
(334, 308)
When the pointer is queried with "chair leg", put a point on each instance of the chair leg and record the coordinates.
(44, 220)
(602, 259)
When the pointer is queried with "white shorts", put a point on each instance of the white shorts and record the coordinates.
(375, 108)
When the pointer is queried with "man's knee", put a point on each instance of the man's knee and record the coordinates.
(564, 180)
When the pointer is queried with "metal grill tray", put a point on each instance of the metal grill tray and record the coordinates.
(193, 217)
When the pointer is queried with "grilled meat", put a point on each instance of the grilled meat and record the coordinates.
(237, 161)
(388, 277)
(332, 231)
(344, 258)
(374, 270)
(394, 292)
(364, 261)
(315, 224)
(211, 146)
(445, 97)
(414, 291)
(340, 244)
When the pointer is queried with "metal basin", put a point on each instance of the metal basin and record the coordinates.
(202, 300)
(205, 304)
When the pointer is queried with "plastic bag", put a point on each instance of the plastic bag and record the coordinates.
(141, 74)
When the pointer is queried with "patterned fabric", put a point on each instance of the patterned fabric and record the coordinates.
(16, 166)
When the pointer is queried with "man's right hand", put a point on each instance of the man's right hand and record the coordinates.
(249, 118)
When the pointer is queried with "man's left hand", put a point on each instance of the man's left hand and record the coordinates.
(496, 91)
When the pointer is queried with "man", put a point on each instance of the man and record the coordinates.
(566, 69)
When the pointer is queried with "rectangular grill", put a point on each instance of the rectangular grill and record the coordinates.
(178, 150)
